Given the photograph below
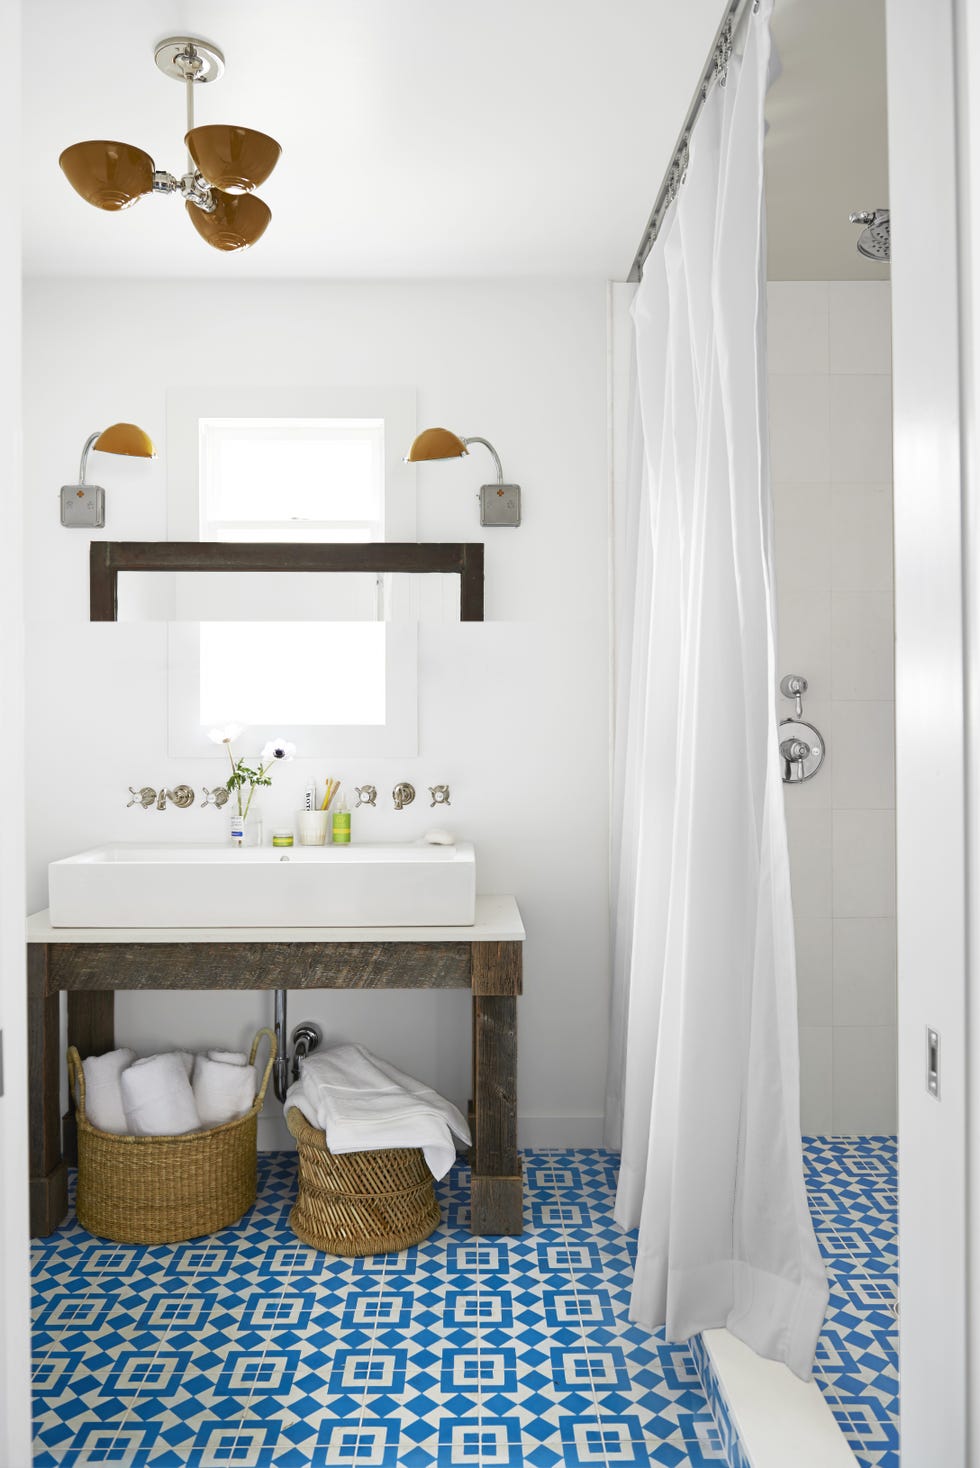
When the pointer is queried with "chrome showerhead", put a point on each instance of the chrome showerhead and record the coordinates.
(875, 242)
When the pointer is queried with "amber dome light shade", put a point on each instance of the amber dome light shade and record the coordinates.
(125, 438)
(109, 175)
(234, 159)
(436, 443)
(238, 220)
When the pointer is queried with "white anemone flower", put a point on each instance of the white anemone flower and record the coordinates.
(277, 749)
(227, 734)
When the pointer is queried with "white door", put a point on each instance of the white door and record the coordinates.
(15, 1402)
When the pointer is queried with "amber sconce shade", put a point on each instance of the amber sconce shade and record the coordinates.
(236, 221)
(107, 174)
(436, 443)
(125, 438)
(234, 159)
(83, 504)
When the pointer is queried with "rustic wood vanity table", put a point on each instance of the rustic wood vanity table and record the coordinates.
(90, 964)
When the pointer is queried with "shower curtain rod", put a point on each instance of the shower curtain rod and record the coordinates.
(716, 69)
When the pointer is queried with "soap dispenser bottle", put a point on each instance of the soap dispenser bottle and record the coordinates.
(341, 823)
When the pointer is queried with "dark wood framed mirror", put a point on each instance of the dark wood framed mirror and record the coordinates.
(108, 557)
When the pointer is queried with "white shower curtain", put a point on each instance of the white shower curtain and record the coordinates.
(704, 1068)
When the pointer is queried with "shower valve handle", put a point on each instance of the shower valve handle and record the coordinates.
(794, 686)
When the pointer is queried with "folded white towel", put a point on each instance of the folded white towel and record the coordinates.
(228, 1057)
(157, 1097)
(103, 1095)
(363, 1104)
(222, 1091)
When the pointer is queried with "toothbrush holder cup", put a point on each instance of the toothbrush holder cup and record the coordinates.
(314, 827)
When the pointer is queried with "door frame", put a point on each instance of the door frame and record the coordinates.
(15, 1362)
(933, 180)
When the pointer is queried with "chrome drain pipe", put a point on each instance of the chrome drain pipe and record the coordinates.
(306, 1037)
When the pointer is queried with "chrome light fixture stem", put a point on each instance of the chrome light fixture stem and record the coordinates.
(84, 460)
(496, 457)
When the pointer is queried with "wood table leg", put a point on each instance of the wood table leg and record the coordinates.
(48, 1173)
(496, 1202)
(91, 1029)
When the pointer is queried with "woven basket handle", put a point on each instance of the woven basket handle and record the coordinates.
(260, 1094)
(76, 1080)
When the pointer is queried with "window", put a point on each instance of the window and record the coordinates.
(313, 656)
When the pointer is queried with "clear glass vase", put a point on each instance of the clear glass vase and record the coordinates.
(245, 830)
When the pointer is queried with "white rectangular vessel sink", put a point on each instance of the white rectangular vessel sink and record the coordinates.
(383, 885)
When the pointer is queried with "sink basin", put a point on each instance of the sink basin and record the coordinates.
(383, 885)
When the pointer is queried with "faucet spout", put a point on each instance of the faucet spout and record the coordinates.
(162, 798)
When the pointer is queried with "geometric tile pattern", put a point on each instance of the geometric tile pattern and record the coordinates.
(249, 1350)
(852, 1186)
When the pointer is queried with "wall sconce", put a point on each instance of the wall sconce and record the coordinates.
(500, 503)
(83, 505)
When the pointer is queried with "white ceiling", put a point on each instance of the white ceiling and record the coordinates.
(420, 137)
(827, 146)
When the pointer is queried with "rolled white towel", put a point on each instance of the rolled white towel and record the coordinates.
(222, 1091)
(103, 1095)
(228, 1057)
(157, 1097)
(187, 1058)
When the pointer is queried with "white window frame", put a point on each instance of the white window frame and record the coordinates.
(186, 407)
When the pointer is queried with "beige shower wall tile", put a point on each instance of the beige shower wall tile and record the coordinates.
(862, 552)
(815, 970)
(802, 521)
(863, 774)
(810, 834)
(798, 329)
(799, 428)
(862, 645)
(863, 859)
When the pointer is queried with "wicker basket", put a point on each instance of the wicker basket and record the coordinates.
(360, 1203)
(161, 1190)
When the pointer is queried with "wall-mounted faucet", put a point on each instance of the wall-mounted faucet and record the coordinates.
(440, 795)
(403, 795)
(182, 796)
(366, 795)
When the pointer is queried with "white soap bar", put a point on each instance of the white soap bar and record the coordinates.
(440, 838)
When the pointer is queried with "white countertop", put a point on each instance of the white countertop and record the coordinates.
(497, 921)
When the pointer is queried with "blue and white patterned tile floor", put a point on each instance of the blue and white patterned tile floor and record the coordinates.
(852, 1186)
(248, 1350)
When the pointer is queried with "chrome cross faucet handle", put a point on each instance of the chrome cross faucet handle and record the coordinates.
(403, 795)
(144, 797)
(218, 796)
(793, 686)
(440, 795)
(366, 795)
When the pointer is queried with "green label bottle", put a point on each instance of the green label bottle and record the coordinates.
(341, 825)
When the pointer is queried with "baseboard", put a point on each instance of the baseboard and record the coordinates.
(533, 1131)
(766, 1416)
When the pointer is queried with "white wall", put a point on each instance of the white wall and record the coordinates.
(830, 422)
(513, 714)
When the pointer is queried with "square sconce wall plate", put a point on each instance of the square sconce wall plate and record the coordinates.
(500, 504)
(83, 506)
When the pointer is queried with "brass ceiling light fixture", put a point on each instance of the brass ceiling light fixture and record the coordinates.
(224, 163)
(500, 503)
